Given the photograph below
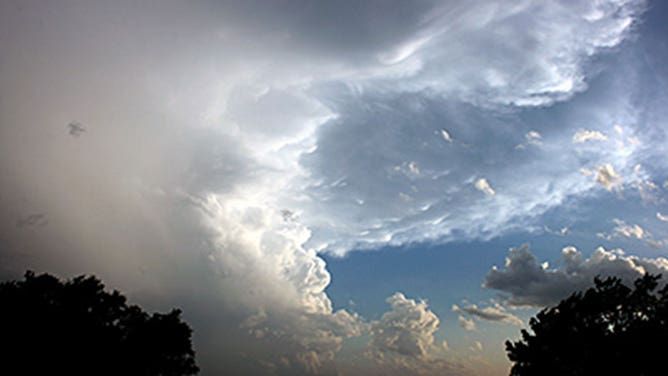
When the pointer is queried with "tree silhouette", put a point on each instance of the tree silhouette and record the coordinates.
(610, 329)
(49, 327)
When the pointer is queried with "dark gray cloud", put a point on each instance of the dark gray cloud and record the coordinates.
(29, 220)
(495, 312)
(523, 281)
(76, 129)
(347, 29)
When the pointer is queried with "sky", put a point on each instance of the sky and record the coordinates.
(336, 187)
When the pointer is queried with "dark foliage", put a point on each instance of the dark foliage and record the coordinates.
(610, 329)
(49, 327)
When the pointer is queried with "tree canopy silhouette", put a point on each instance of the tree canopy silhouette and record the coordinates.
(609, 329)
(49, 327)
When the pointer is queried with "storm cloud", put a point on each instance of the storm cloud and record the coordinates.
(221, 148)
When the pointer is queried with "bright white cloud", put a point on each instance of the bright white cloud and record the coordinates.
(402, 341)
(630, 231)
(446, 135)
(407, 330)
(584, 135)
(606, 176)
(524, 282)
(483, 186)
(264, 265)
(533, 138)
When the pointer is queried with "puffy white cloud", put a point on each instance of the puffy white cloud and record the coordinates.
(407, 330)
(496, 312)
(483, 186)
(533, 138)
(633, 231)
(446, 135)
(630, 231)
(402, 341)
(662, 217)
(584, 135)
(465, 323)
(524, 282)
(606, 176)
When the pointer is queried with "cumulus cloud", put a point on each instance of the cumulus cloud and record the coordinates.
(525, 282)
(630, 231)
(483, 186)
(446, 135)
(531, 138)
(465, 323)
(402, 340)
(606, 176)
(584, 135)
(495, 313)
(662, 217)
(407, 330)
(260, 255)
